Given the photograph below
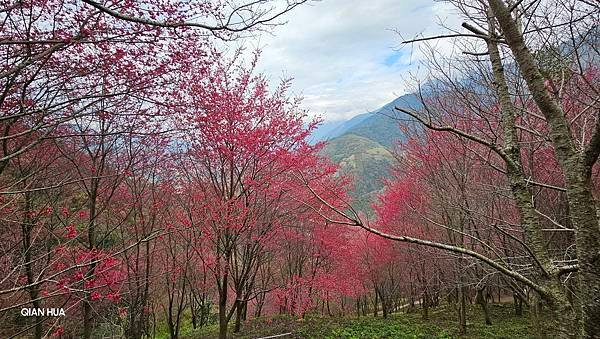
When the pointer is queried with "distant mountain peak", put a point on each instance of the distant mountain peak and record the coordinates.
(363, 147)
(379, 125)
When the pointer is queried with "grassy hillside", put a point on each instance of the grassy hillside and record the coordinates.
(365, 160)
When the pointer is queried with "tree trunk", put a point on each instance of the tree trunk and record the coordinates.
(425, 305)
(518, 304)
(482, 301)
(576, 168)
(537, 318)
(259, 306)
(87, 321)
(462, 311)
(223, 309)
(91, 233)
(238, 318)
(561, 319)
(384, 306)
(375, 304)
(26, 228)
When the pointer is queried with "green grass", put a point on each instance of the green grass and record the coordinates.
(441, 324)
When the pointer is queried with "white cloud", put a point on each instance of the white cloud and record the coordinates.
(343, 54)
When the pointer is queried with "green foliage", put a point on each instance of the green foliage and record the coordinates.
(186, 330)
(394, 327)
(442, 324)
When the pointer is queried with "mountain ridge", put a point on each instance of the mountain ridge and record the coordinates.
(363, 147)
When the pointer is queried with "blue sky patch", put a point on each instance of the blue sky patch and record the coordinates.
(392, 58)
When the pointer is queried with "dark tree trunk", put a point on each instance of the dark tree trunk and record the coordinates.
(26, 228)
(481, 299)
(425, 305)
(238, 317)
(375, 304)
(518, 304)
(223, 308)
(462, 311)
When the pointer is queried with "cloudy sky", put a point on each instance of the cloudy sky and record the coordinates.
(345, 55)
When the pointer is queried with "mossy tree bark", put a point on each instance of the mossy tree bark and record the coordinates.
(577, 168)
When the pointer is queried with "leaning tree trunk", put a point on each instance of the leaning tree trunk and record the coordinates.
(576, 168)
(552, 292)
